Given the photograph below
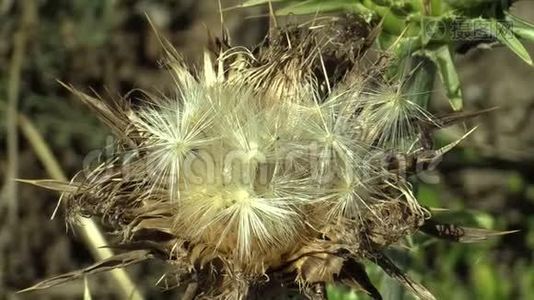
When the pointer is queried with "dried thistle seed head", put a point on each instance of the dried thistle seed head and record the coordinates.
(297, 61)
(391, 119)
(261, 167)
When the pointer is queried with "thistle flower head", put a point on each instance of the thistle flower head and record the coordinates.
(261, 165)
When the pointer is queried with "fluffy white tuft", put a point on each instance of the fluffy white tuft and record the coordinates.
(246, 168)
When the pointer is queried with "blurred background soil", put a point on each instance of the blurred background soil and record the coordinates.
(108, 46)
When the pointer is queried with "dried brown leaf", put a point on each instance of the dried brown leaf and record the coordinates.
(54, 185)
(460, 234)
(116, 261)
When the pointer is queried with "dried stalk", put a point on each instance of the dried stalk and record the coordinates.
(89, 229)
(9, 193)
(20, 39)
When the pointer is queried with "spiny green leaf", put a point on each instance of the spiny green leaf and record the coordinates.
(507, 37)
(520, 27)
(502, 33)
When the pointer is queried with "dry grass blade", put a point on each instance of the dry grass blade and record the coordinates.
(117, 261)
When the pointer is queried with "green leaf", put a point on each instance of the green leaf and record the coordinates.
(520, 27)
(502, 33)
(442, 58)
(390, 22)
(484, 219)
(314, 6)
(428, 195)
(515, 183)
(336, 293)
(507, 37)
(488, 283)
(391, 289)
(249, 3)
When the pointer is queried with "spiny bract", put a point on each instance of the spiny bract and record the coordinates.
(263, 168)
